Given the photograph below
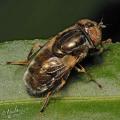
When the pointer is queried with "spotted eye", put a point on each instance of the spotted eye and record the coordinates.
(89, 24)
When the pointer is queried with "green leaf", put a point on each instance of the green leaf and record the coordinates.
(78, 100)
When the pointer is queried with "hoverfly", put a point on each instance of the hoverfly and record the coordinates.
(50, 65)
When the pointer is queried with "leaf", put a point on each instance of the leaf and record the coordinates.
(78, 100)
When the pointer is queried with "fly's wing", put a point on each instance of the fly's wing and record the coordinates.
(49, 76)
(57, 73)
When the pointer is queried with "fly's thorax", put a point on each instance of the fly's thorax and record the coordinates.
(70, 41)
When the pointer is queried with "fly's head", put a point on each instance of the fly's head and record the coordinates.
(93, 30)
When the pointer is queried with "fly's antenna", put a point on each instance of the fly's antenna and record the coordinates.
(100, 24)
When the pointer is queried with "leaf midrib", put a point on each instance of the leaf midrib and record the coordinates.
(38, 100)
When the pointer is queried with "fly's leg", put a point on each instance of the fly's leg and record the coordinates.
(46, 102)
(51, 92)
(34, 50)
(82, 70)
(36, 47)
(97, 51)
(108, 41)
(24, 62)
(61, 85)
(101, 49)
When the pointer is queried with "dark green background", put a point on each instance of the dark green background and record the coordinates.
(29, 19)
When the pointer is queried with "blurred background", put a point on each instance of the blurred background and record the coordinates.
(30, 19)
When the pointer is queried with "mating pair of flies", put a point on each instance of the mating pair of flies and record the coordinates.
(49, 65)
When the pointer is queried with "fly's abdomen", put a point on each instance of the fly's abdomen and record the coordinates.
(32, 84)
